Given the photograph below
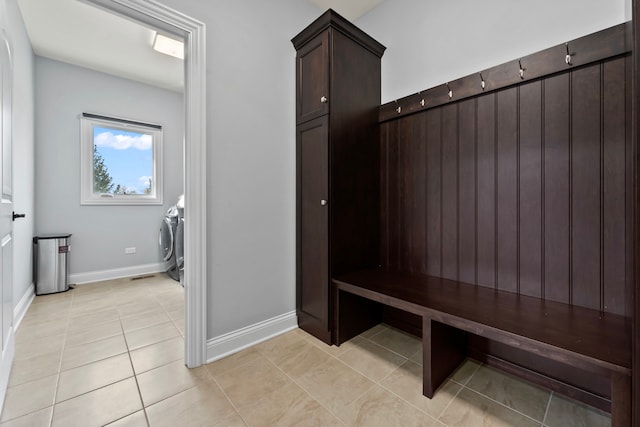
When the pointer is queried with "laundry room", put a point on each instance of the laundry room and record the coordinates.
(109, 240)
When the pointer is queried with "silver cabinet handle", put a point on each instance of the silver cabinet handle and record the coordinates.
(323, 202)
(324, 99)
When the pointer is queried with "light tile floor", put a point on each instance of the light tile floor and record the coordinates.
(112, 352)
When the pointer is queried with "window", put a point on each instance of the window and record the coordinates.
(121, 162)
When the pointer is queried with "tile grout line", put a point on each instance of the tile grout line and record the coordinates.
(233, 405)
(135, 376)
(506, 406)
(310, 395)
(462, 387)
(391, 350)
(546, 412)
(305, 390)
(379, 382)
(409, 403)
(144, 408)
(64, 347)
(89, 363)
(444, 410)
(309, 339)
(502, 404)
(68, 318)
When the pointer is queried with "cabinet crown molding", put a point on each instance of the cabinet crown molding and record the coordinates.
(332, 19)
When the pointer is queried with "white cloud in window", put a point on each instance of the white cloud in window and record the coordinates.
(144, 180)
(123, 142)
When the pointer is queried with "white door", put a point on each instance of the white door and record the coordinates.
(6, 214)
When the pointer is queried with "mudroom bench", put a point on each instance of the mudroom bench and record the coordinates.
(597, 343)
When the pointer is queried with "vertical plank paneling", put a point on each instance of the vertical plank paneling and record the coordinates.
(418, 262)
(507, 191)
(393, 221)
(524, 190)
(405, 193)
(384, 192)
(586, 187)
(630, 213)
(467, 193)
(450, 192)
(530, 221)
(556, 188)
(613, 221)
(486, 185)
(434, 192)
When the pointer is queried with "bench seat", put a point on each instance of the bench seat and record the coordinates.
(589, 339)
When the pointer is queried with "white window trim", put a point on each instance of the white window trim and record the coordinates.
(87, 196)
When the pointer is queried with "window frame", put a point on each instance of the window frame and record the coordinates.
(87, 197)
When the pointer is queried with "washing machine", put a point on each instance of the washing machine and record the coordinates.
(167, 241)
(179, 240)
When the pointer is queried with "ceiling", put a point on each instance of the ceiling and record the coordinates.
(75, 32)
(350, 9)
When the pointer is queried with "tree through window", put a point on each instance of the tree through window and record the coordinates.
(120, 161)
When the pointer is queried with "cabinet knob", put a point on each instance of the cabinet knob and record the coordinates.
(323, 99)
(323, 202)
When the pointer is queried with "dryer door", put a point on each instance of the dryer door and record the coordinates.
(166, 239)
(179, 244)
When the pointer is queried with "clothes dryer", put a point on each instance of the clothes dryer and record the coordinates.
(167, 240)
(179, 239)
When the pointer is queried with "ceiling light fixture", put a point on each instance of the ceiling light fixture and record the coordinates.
(168, 46)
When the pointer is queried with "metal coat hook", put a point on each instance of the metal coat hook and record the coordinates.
(399, 109)
(421, 100)
(567, 57)
(450, 91)
(521, 69)
(482, 82)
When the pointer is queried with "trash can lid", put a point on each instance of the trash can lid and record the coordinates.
(52, 236)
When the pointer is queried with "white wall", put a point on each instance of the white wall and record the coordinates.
(251, 156)
(100, 233)
(23, 145)
(430, 42)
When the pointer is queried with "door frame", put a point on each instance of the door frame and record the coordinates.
(195, 280)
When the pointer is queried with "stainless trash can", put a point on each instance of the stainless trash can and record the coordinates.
(51, 262)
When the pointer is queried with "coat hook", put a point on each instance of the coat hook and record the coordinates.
(421, 99)
(567, 57)
(521, 69)
(482, 82)
(450, 91)
(399, 109)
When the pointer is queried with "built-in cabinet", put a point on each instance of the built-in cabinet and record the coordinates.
(337, 163)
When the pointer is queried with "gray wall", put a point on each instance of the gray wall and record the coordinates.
(251, 156)
(100, 233)
(251, 108)
(23, 145)
(430, 42)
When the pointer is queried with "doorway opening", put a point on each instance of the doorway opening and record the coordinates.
(192, 32)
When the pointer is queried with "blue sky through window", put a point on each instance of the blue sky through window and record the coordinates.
(128, 156)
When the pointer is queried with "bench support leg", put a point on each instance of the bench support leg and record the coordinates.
(443, 350)
(354, 316)
(620, 400)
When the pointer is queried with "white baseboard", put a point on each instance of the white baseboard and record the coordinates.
(116, 273)
(23, 305)
(6, 361)
(233, 342)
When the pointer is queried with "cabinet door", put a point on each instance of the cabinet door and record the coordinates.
(312, 78)
(313, 228)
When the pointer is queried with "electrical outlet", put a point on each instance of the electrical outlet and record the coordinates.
(131, 250)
